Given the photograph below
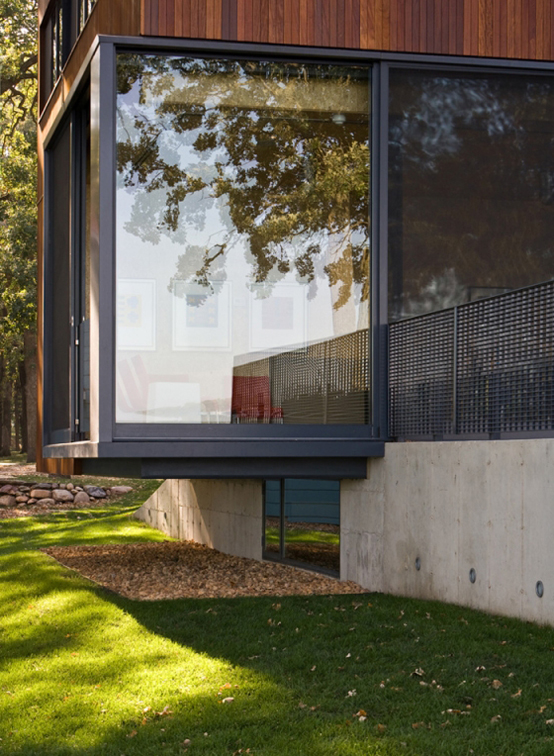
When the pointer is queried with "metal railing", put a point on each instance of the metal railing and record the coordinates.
(482, 369)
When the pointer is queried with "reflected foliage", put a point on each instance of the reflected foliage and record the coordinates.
(264, 146)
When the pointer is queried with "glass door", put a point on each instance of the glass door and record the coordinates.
(302, 523)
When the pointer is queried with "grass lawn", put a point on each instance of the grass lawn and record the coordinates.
(83, 671)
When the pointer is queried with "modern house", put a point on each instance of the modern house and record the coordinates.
(297, 258)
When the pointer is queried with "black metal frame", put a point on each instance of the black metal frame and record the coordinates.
(250, 447)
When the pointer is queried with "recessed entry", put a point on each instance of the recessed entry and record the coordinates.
(302, 523)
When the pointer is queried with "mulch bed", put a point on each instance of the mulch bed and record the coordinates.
(184, 569)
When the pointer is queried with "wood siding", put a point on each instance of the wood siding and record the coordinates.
(490, 28)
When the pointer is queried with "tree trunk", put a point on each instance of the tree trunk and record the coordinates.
(16, 392)
(23, 398)
(29, 391)
(5, 412)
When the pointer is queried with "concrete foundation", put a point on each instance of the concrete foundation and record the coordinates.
(223, 514)
(454, 506)
(457, 506)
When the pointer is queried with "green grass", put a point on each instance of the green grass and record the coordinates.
(273, 535)
(83, 671)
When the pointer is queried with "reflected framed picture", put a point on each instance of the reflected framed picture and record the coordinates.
(136, 314)
(201, 315)
(278, 317)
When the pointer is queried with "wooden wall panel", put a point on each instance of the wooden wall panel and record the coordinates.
(488, 28)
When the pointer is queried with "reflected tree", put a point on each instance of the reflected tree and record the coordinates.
(279, 151)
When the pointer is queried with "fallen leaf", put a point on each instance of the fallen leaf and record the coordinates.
(496, 684)
(381, 728)
(550, 721)
(132, 734)
(418, 672)
(302, 705)
(417, 725)
(229, 699)
(517, 695)
(480, 668)
(496, 718)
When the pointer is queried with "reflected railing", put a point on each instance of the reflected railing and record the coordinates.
(323, 383)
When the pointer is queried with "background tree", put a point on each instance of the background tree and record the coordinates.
(18, 222)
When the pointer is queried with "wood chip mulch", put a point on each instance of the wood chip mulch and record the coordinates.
(185, 569)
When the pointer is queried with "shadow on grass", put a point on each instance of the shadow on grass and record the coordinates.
(303, 666)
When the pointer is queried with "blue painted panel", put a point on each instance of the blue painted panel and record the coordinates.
(305, 500)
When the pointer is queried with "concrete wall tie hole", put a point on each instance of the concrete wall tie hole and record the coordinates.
(539, 589)
(472, 575)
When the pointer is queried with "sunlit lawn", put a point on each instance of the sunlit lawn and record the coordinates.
(83, 671)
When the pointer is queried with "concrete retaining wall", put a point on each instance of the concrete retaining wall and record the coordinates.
(223, 514)
(457, 506)
(486, 505)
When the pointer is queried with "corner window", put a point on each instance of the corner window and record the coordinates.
(242, 242)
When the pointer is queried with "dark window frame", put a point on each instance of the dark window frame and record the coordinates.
(181, 446)
(75, 123)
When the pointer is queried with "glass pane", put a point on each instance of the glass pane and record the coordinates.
(242, 242)
(59, 166)
(471, 187)
(312, 522)
(272, 530)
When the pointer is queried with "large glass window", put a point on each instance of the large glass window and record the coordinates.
(242, 241)
(471, 187)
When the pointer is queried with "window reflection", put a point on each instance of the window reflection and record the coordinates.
(471, 187)
(242, 242)
(302, 522)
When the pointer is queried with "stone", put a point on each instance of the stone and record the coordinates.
(62, 486)
(31, 501)
(8, 489)
(81, 498)
(43, 486)
(22, 499)
(24, 489)
(62, 495)
(7, 501)
(95, 491)
(120, 490)
(48, 502)
(78, 488)
(40, 493)
(69, 486)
